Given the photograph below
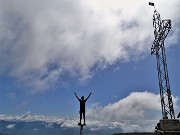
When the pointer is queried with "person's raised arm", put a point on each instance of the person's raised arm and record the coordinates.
(88, 96)
(76, 96)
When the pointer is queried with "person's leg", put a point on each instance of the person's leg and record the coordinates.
(80, 117)
(84, 118)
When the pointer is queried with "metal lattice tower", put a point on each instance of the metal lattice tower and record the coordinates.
(161, 30)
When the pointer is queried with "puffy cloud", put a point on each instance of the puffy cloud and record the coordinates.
(136, 106)
(41, 41)
(11, 126)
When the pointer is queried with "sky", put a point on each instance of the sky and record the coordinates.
(51, 49)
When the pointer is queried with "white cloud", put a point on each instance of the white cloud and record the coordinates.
(41, 41)
(11, 126)
(136, 106)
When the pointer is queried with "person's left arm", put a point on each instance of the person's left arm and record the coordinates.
(88, 96)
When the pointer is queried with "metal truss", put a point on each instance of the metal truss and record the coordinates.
(161, 30)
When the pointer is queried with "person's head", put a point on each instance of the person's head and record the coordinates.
(82, 97)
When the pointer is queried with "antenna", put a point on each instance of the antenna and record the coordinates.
(161, 30)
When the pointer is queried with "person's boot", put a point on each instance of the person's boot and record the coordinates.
(79, 123)
(84, 123)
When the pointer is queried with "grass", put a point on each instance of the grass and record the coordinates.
(148, 133)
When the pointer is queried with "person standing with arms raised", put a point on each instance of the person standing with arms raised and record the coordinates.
(82, 102)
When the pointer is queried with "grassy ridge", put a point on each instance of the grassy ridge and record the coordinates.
(133, 134)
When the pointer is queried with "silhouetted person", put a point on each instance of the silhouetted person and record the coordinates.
(82, 107)
(178, 115)
(158, 127)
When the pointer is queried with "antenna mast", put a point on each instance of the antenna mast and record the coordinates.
(161, 30)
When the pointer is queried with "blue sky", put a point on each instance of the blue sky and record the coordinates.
(48, 51)
(107, 86)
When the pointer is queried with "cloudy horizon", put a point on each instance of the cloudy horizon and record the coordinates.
(131, 114)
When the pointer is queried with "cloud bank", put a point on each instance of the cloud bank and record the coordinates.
(41, 41)
(94, 126)
(136, 106)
